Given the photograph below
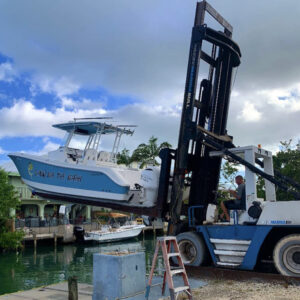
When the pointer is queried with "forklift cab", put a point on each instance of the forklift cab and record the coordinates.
(253, 205)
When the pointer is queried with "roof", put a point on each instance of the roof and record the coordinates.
(10, 167)
(90, 127)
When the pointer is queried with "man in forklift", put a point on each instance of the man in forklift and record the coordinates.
(240, 198)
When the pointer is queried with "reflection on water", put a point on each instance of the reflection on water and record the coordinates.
(48, 265)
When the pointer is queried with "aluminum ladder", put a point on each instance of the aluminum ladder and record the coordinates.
(169, 248)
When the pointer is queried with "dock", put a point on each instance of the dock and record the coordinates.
(55, 291)
(59, 291)
(42, 236)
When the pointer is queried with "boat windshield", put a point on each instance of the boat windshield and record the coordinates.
(65, 139)
(78, 141)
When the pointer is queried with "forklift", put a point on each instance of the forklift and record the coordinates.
(265, 229)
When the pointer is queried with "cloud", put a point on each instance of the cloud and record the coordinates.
(140, 49)
(84, 104)
(249, 113)
(2, 151)
(60, 87)
(49, 146)
(7, 73)
(24, 119)
(262, 118)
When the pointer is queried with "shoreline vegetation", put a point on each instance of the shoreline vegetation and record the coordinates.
(9, 202)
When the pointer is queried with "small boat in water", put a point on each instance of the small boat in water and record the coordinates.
(110, 234)
(80, 172)
(111, 231)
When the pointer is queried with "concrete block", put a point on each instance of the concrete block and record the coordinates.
(117, 275)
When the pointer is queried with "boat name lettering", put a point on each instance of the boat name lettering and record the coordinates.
(40, 173)
(50, 174)
(60, 175)
(74, 178)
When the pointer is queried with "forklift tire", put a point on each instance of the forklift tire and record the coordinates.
(286, 255)
(192, 249)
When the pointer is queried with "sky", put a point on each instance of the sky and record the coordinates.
(127, 60)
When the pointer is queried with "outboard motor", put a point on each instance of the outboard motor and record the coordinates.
(149, 181)
(79, 233)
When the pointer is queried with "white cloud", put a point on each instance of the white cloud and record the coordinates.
(140, 48)
(2, 151)
(24, 119)
(250, 113)
(60, 87)
(49, 146)
(7, 73)
(84, 104)
(260, 117)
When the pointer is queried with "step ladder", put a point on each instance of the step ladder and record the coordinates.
(167, 245)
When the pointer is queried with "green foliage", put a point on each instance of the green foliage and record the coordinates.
(143, 154)
(147, 153)
(124, 158)
(229, 171)
(287, 162)
(8, 197)
(8, 200)
(260, 187)
(11, 240)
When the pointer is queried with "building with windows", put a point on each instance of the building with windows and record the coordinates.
(45, 210)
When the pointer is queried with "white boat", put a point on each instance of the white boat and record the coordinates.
(110, 234)
(81, 172)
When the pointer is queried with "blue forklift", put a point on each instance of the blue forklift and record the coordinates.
(265, 229)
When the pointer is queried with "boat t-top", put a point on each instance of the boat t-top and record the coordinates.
(80, 171)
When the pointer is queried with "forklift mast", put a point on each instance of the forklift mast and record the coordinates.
(204, 111)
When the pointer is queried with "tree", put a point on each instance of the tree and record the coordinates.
(147, 153)
(124, 158)
(287, 162)
(228, 173)
(8, 196)
(8, 200)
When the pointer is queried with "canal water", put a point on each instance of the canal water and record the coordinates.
(29, 269)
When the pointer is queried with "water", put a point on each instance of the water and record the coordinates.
(48, 265)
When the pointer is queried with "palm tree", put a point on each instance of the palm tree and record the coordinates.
(124, 158)
(147, 153)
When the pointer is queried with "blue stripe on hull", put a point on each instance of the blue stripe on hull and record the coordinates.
(66, 177)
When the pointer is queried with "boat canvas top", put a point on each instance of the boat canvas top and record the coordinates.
(92, 127)
(110, 214)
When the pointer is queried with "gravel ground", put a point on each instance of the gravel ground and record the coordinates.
(244, 290)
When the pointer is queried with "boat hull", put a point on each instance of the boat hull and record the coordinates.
(53, 178)
(123, 233)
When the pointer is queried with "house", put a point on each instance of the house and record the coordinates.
(33, 206)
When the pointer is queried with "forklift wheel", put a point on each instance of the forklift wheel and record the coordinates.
(192, 248)
(287, 255)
